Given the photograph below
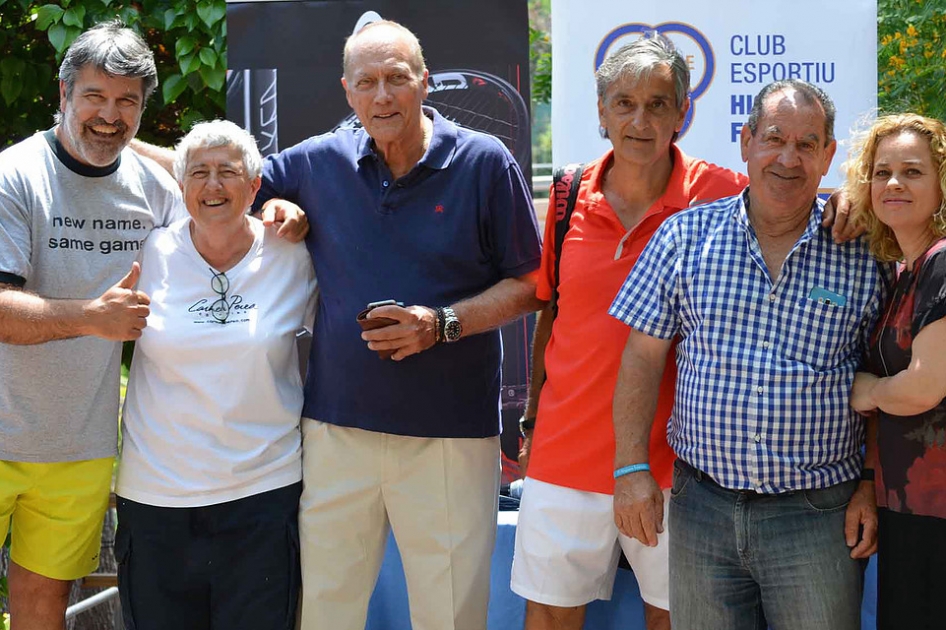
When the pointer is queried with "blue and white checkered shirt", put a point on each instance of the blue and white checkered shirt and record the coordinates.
(764, 368)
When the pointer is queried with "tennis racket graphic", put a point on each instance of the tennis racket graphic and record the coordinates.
(251, 103)
(479, 101)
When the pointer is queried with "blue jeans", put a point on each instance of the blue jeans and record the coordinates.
(742, 561)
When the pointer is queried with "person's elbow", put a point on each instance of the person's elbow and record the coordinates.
(528, 301)
(534, 304)
(924, 400)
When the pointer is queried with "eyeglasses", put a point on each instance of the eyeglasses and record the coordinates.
(220, 285)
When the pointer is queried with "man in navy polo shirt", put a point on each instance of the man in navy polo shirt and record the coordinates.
(414, 209)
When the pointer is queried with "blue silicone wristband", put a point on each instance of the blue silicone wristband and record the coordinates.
(633, 468)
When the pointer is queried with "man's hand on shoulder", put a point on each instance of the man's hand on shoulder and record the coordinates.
(415, 331)
(837, 216)
(639, 507)
(289, 219)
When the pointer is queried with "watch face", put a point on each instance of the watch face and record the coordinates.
(452, 330)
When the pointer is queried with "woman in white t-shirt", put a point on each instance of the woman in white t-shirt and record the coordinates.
(210, 473)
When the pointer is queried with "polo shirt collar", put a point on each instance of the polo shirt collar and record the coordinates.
(677, 194)
(440, 151)
(443, 142)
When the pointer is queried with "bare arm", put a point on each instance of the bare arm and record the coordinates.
(417, 328)
(638, 500)
(503, 302)
(540, 338)
(162, 155)
(118, 314)
(916, 389)
(860, 518)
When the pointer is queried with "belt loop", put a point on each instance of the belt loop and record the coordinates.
(695, 472)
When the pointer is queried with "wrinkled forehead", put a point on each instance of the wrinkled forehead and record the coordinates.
(651, 82)
(92, 79)
(791, 107)
(379, 48)
(218, 156)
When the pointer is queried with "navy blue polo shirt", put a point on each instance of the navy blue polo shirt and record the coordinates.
(458, 223)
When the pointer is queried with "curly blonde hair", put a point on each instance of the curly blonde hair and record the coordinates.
(859, 169)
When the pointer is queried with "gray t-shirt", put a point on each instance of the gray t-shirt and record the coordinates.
(69, 231)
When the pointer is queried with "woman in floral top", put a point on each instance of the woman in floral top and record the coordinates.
(897, 179)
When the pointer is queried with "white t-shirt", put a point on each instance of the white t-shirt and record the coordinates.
(212, 409)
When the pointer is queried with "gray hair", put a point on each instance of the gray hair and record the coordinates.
(638, 60)
(416, 59)
(114, 49)
(218, 133)
(809, 93)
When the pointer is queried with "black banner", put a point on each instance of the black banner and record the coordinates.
(285, 62)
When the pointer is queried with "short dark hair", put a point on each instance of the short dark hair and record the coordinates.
(114, 49)
(809, 92)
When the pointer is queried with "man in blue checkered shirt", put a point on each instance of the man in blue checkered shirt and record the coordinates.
(769, 521)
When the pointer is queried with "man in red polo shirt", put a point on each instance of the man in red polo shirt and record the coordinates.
(567, 545)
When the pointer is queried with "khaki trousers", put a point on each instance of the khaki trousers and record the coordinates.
(439, 496)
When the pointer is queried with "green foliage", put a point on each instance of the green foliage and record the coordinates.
(540, 58)
(540, 50)
(911, 56)
(188, 38)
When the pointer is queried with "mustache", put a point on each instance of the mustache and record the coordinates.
(118, 124)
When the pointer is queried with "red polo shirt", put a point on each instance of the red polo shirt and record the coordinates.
(573, 445)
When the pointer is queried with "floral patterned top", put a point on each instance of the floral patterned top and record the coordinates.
(911, 472)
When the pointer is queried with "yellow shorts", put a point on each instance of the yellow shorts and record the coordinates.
(56, 511)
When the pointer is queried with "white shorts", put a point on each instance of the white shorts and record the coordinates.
(567, 549)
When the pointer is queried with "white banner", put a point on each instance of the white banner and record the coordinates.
(734, 48)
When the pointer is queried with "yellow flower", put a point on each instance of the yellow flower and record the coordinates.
(911, 31)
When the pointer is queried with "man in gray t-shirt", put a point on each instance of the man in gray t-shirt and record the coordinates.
(75, 206)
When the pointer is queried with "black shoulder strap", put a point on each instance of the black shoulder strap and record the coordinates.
(566, 181)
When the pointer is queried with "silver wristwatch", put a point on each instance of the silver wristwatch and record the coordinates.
(452, 329)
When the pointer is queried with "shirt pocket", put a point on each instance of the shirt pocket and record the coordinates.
(820, 334)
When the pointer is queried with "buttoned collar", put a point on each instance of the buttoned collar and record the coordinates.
(812, 229)
(440, 151)
(675, 196)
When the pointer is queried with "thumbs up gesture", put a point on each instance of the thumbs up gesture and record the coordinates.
(120, 314)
